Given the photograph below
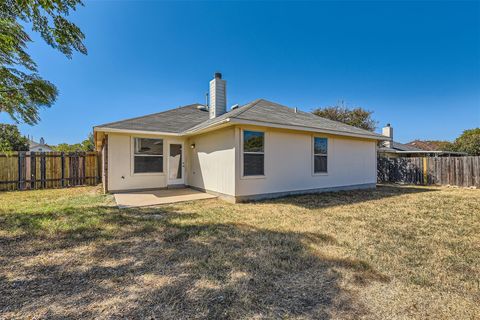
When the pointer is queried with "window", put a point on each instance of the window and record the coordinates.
(148, 155)
(320, 155)
(253, 153)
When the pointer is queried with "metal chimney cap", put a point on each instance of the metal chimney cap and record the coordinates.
(218, 75)
(388, 124)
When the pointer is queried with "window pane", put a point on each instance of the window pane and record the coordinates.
(252, 164)
(320, 164)
(320, 145)
(148, 146)
(175, 161)
(147, 164)
(252, 141)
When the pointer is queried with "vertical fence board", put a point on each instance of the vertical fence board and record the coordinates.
(33, 170)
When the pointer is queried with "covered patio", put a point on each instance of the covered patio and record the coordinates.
(157, 197)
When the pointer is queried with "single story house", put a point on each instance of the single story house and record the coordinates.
(393, 149)
(38, 146)
(259, 150)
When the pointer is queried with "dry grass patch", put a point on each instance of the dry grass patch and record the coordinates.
(396, 252)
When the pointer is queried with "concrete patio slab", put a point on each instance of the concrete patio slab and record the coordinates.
(157, 197)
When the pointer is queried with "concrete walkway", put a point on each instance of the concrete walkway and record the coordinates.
(156, 197)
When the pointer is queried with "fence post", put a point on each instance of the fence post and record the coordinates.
(33, 170)
(43, 170)
(71, 172)
(425, 172)
(63, 169)
(84, 158)
(77, 168)
(74, 159)
(20, 171)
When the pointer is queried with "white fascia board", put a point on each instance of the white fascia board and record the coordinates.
(309, 129)
(432, 151)
(113, 130)
(213, 126)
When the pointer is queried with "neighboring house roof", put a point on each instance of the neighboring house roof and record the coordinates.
(428, 145)
(408, 149)
(34, 145)
(396, 147)
(191, 120)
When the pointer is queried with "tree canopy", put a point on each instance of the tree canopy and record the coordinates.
(357, 117)
(469, 142)
(11, 139)
(85, 145)
(22, 90)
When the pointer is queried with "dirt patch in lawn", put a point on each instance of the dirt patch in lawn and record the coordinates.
(390, 253)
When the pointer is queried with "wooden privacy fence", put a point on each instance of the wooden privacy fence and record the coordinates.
(458, 171)
(40, 170)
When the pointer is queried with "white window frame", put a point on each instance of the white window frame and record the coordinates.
(322, 173)
(132, 158)
(243, 176)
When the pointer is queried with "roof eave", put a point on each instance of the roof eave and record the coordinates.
(115, 130)
(422, 152)
(309, 129)
(213, 126)
(432, 151)
(230, 121)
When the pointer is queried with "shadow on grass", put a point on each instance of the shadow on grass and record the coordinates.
(340, 198)
(164, 264)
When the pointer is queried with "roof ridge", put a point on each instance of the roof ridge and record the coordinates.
(147, 115)
(248, 106)
(212, 121)
(313, 116)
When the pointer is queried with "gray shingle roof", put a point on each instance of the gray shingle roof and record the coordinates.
(404, 147)
(397, 146)
(189, 119)
(273, 113)
(172, 121)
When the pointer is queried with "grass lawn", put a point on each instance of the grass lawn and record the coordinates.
(392, 253)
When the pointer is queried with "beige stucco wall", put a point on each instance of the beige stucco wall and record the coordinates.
(211, 164)
(289, 163)
(120, 164)
(215, 164)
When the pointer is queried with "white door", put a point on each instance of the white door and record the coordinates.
(175, 164)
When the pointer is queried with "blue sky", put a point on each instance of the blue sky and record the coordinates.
(415, 64)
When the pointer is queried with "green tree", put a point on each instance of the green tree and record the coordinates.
(22, 91)
(11, 139)
(85, 145)
(357, 117)
(469, 142)
(88, 144)
(445, 146)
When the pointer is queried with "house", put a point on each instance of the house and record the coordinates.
(393, 149)
(259, 150)
(38, 146)
(427, 145)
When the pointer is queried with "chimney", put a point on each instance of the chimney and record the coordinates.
(42, 141)
(388, 132)
(218, 96)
